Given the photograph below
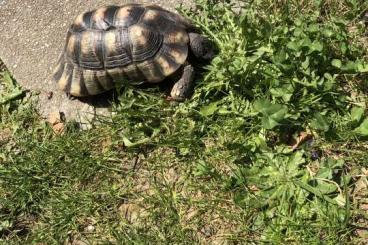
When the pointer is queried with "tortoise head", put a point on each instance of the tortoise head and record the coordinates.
(202, 48)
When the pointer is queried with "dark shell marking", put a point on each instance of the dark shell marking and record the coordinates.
(134, 42)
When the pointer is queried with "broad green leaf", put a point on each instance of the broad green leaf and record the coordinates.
(298, 22)
(338, 163)
(293, 45)
(362, 67)
(313, 190)
(266, 107)
(305, 64)
(326, 187)
(284, 92)
(336, 63)
(363, 128)
(320, 122)
(357, 114)
(340, 200)
(128, 143)
(298, 32)
(210, 109)
(343, 48)
(272, 113)
(261, 104)
(295, 161)
(313, 28)
(324, 173)
(350, 66)
(316, 46)
(280, 57)
(328, 76)
(307, 42)
(334, 163)
(264, 49)
(327, 33)
(269, 123)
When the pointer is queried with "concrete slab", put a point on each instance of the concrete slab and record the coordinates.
(32, 35)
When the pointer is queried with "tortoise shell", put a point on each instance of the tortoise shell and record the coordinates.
(133, 42)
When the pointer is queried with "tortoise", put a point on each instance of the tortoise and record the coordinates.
(138, 43)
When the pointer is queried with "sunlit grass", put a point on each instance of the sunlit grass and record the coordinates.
(271, 148)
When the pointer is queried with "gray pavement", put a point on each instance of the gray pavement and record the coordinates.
(32, 34)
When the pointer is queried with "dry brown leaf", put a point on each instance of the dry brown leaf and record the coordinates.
(172, 176)
(361, 185)
(301, 139)
(106, 144)
(253, 188)
(190, 214)
(364, 207)
(362, 231)
(131, 212)
(365, 171)
(56, 120)
(5, 135)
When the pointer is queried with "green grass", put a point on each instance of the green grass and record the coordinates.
(219, 167)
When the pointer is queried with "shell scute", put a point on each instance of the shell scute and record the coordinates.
(116, 48)
(145, 42)
(133, 42)
(128, 15)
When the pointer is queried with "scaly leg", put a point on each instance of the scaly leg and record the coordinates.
(183, 88)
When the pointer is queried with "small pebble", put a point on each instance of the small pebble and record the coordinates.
(90, 228)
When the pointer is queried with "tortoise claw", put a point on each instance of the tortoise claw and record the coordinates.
(70, 97)
(169, 98)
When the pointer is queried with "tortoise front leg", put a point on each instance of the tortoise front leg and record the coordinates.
(183, 88)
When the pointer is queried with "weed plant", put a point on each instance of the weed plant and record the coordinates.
(271, 148)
